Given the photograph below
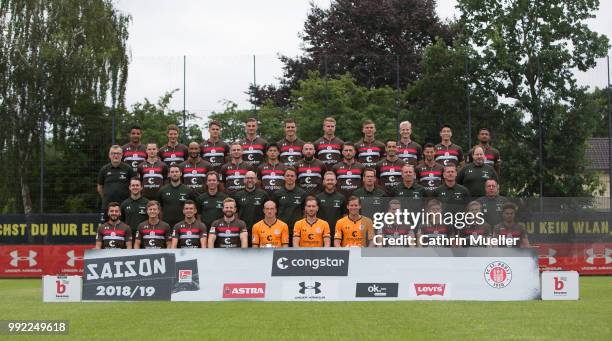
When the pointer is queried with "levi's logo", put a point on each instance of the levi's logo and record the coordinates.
(430, 289)
(244, 290)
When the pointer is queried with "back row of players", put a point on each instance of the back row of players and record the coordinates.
(291, 170)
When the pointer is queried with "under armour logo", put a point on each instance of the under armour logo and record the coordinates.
(72, 258)
(593, 254)
(315, 287)
(15, 258)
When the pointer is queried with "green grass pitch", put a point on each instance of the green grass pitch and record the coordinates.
(590, 318)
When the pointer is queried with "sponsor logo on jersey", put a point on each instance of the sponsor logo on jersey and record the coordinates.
(376, 290)
(244, 290)
(310, 263)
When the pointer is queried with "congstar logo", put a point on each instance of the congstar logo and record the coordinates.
(310, 263)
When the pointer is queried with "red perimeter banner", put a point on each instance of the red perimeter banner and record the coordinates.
(40, 260)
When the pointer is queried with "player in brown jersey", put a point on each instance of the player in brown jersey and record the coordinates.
(272, 172)
(189, 233)
(229, 231)
(348, 171)
(310, 171)
(448, 153)
(369, 149)
(194, 169)
(173, 152)
(114, 234)
(134, 152)
(253, 147)
(233, 172)
(291, 146)
(311, 231)
(389, 169)
(429, 172)
(478, 228)
(509, 228)
(153, 172)
(395, 230)
(492, 157)
(329, 147)
(153, 233)
(434, 226)
(214, 150)
(408, 150)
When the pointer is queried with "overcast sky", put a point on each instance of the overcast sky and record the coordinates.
(220, 38)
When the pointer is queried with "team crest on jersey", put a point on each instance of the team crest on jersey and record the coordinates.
(329, 147)
(236, 173)
(251, 148)
(173, 155)
(318, 230)
(369, 150)
(194, 171)
(276, 232)
(152, 233)
(349, 173)
(189, 232)
(113, 234)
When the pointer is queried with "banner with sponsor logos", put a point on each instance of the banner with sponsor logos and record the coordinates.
(40, 260)
(311, 274)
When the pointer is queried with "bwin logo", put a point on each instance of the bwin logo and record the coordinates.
(280, 263)
(315, 287)
(31, 258)
(72, 259)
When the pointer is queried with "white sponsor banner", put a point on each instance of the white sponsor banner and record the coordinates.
(560, 285)
(343, 274)
(62, 288)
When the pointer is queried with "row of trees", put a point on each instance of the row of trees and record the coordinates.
(63, 70)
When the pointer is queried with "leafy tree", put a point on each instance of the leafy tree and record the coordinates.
(599, 98)
(526, 53)
(52, 53)
(362, 38)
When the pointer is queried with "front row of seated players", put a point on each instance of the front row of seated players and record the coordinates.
(352, 230)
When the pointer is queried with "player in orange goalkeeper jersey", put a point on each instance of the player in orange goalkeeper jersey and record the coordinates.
(354, 229)
(270, 231)
(311, 231)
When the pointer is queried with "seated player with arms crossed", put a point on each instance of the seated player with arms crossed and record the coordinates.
(270, 231)
(190, 232)
(354, 229)
(153, 233)
(311, 231)
(229, 231)
(114, 234)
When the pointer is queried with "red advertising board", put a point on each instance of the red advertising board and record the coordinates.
(586, 258)
(39, 260)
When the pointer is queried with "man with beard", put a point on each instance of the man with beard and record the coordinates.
(395, 231)
(250, 201)
(370, 194)
(492, 157)
(348, 171)
(134, 208)
(369, 149)
(229, 231)
(173, 196)
(448, 153)
(271, 173)
(434, 228)
(210, 202)
(114, 178)
(195, 169)
(214, 150)
(189, 233)
(253, 147)
(509, 228)
(329, 147)
(409, 151)
(153, 172)
(492, 203)
(311, 231)
(173, 152)
(332, 204)
(233, 172)
(429, 172)
(310, 171)
(114, 234)
(291, 145)
(270, 231)
(474, 175)
(134, 152)
(477, 228)
(153, 233)
(389, 169)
